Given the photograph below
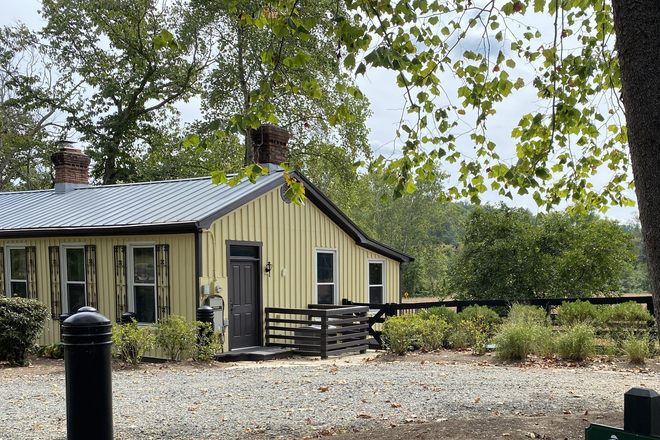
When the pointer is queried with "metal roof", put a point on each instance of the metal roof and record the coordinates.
(171, 206)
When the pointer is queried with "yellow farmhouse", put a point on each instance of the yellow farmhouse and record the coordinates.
(167, 248)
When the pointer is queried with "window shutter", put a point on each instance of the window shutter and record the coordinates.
(55, 282)
(2, 273)
(30, 257)
(121, 294)
(90, 272)
(163, 279)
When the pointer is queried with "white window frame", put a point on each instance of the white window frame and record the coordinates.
(383, 263)
(335, 282)
(130, 274)
(8, 279)
(65, 281)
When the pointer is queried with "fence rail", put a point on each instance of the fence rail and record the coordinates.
(393, 309)
(320, 330)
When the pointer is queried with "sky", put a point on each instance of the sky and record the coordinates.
(387, 102)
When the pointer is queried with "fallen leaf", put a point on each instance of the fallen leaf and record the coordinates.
(506, 434)
(364, 416)
(323, 389)
(396, 405)
(477, 400)
(568, 411)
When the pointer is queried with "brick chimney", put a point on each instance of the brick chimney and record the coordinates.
(270, 146)
(71, 169)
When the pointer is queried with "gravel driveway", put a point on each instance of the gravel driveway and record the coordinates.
(293, 400)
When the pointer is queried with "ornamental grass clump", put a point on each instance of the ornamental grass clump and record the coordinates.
(526, 331)
(577, 342)
(637, 348)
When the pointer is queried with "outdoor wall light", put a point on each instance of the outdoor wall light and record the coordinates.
(269, 267)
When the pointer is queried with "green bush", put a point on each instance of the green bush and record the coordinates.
(21, 324)
(480, 324)
(177, 337)
(577, 342)
(582, 312)
(208, 342)
(55, 351)
(447, 315)
(433, 332)
(520, 313)
(630, 312)
(636, 348)
(130, 341)
(399, 333)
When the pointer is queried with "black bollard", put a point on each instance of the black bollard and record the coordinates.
(127, 317)
(87, 338)
(63, 317)
(205, 314)
(641, 411)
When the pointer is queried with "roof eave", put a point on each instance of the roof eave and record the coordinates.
(86, 231)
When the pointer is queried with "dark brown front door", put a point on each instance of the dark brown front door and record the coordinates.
(244, 321)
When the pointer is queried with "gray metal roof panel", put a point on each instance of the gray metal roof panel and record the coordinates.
(166, 202)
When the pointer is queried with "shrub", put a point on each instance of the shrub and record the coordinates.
(636, 348)
(130, 342)
(399, 333)
(577, 343)
(208, 342)
(480, 325)
(433, 332)
(55, 351)
(447, 315)
(533, 315)
(177, 337)
(582, 312)
(630, 312)
(21, 324)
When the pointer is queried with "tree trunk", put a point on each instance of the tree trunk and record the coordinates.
(638, 44)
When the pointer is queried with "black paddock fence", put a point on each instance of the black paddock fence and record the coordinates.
(382, 311)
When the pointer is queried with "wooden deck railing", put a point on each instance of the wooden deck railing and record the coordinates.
(320, 330)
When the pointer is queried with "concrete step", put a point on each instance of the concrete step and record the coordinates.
(254, 354)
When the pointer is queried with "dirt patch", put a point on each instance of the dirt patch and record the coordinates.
(569, 427)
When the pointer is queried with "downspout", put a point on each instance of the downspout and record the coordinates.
(400, 282)
(198, 265)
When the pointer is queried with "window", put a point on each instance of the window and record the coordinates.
(17, 271)
(326, 276)
(72, 270)
(142, 282)
(17, 276)
(74, 279)
(376, 282)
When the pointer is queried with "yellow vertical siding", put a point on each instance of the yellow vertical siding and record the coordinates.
(182, 272)
(290, 235)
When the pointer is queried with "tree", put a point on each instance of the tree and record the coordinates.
(137, 59)
(509, 254)
(417, 224)
(597, 68)
(28, 127)
(307, 93)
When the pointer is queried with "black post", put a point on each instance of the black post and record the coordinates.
(641, 411)
(127, 317)
(63, 317)
(87, 338)
(205, 314)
